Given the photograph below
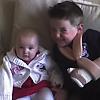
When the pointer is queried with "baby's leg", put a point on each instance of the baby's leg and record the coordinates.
(24, 98)
(43, 94)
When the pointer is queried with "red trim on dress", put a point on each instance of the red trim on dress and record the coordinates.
(28, 88)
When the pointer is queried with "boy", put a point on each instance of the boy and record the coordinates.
(27, 70)
(77, 54)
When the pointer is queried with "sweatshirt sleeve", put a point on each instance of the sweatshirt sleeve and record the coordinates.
(92, 38)
(6, 83)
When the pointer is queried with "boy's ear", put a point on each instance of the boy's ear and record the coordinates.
(80, 28)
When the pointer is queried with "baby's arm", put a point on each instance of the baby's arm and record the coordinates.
(54, 73)
(56, 80)
(6, 82)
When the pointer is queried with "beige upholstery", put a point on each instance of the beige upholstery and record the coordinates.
(18, 13)
(6, 23)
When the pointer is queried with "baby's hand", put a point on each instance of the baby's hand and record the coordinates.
(56, 80)
(57, 83)
(60, 94)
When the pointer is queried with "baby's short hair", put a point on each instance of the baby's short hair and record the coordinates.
(26, 31)
(67, 10)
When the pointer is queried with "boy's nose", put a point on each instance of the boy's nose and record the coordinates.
(58, 34)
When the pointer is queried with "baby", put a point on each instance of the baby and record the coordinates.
(31, 70)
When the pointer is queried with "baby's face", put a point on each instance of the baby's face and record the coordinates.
(26, 47)
(62, 31)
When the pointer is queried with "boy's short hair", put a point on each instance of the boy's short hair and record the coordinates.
(67, 10)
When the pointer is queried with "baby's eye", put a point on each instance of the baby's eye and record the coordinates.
(31, 48)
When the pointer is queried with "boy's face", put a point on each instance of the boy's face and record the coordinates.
(62, 31)
(26, 47)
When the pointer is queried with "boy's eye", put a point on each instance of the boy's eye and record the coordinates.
(63, 30)
(53, 30)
